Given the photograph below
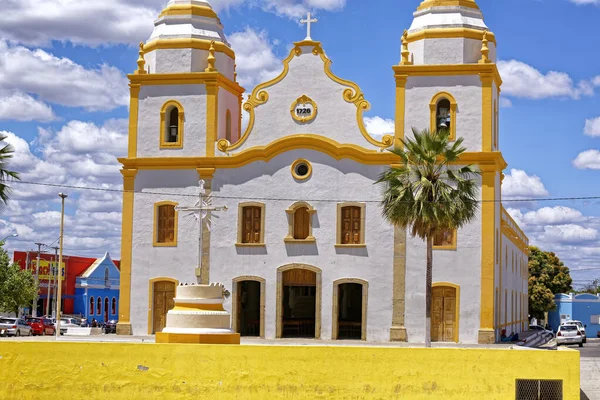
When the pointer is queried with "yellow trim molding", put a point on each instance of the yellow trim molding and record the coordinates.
(304, 99)
(240, 241)
(166, 108)
(212, 117)
(151, 283)
(124, 325)
(351, 95)
(279, 297)
(234, 302)
(339, 222)
(450, 33)
(187, 43)
(514, 233)
(447, 3)
(335, 306)
(290, 214)
(322, 144)
(134, 110)
(299, 162)
(449, 70)
(188, 9)
(457, 306)
(155, 241)
(189, 78)
(488, 226)
(452, 246)
(433, 111)
(400, 109)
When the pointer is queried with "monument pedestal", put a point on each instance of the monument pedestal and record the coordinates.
(198, 317)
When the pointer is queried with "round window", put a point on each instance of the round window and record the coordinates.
(301, 169)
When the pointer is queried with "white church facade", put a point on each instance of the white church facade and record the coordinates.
(303, 247)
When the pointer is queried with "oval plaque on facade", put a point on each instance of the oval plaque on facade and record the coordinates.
(304, 109)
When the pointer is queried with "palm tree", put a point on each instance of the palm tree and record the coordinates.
(430, 195)
(6, 153)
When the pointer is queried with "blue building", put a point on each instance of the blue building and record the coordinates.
(97, 291)
(581, 307)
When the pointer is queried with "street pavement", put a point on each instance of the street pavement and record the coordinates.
(590, 369)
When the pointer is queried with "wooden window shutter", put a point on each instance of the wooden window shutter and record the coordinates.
(301, 223)
(251, 225)
(166, 224)
(351, 225)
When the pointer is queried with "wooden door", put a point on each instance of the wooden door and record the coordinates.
(164, 293)
(443, 314)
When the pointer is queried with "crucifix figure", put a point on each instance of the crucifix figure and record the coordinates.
(308, 21)
(201, 210)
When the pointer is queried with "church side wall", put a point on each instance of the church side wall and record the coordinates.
(514, 284)
(461, 267)
(152, 99)
(420, 90)
(147, 261)
(343, 180)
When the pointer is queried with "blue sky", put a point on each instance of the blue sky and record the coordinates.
(63, 102)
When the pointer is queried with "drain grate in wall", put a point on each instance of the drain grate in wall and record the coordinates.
(532, 389)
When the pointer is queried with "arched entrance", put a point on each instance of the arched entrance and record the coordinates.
(161, 295)
(248, 306)
(299, 301)
(350, 299)
(445, 312)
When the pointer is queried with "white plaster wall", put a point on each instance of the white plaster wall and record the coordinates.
(468, 94)
(331, 180)
(448, 51)
(461, 267)
(336, 118)
(152, 99)
(148, 262)
(512, 281)
(168, 61)
(228, 101)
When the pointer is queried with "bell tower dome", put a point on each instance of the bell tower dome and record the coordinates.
(448, 32)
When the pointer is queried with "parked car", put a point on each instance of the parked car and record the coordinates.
(111, 326)
(14, 327)
(569, 334)
(66, 323)
(541, 328)
(40, 326)
(581, 327)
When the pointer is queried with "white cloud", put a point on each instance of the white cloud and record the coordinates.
(592, 127)
(23, 107)
(519, 185)
(255, 57)
(505, 103)
(589, 159)
(569, 234)
(523, 80)
(297, 9)
(378, 126)
(596, 2)
(60, 80)
(558, 215)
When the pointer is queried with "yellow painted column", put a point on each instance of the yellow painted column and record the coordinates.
(398, 330)
(488, 222)
(212, 117)
(400, 109)
(134, 102)
(487, 115)
(124, 325)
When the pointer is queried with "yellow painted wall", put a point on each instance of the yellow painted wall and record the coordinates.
(151, 371)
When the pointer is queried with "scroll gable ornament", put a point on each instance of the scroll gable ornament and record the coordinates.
(304, 109)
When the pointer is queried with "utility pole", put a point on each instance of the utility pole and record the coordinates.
(63, 196)
(51, 281)
(37, 280)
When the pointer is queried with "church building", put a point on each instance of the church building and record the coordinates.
(303, 248)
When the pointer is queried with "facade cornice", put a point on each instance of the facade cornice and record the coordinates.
(188, 78)
(483, 70)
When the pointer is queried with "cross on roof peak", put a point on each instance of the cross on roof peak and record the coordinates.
(308, 21)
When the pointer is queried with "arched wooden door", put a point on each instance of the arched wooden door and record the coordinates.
(163, 295)
(444, 314)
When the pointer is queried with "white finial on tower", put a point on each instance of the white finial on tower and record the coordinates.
(308, 21)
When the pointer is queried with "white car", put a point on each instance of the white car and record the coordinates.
(569, 334)
(581, 327)
(541, 328)
(66, 323)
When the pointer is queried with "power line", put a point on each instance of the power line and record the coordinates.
(547, 199)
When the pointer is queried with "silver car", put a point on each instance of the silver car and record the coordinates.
(14, 327)
(569, 334)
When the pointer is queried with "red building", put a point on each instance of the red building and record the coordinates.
(74, 267)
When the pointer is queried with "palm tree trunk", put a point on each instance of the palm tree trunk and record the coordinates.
(428, 283)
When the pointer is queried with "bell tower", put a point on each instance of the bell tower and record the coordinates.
(184, 94)
(447, 78)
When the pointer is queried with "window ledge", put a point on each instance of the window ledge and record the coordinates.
(171, 146)
(250, 245)
(351, 245)
(446, 248)
(307, 240)
(174, 244)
